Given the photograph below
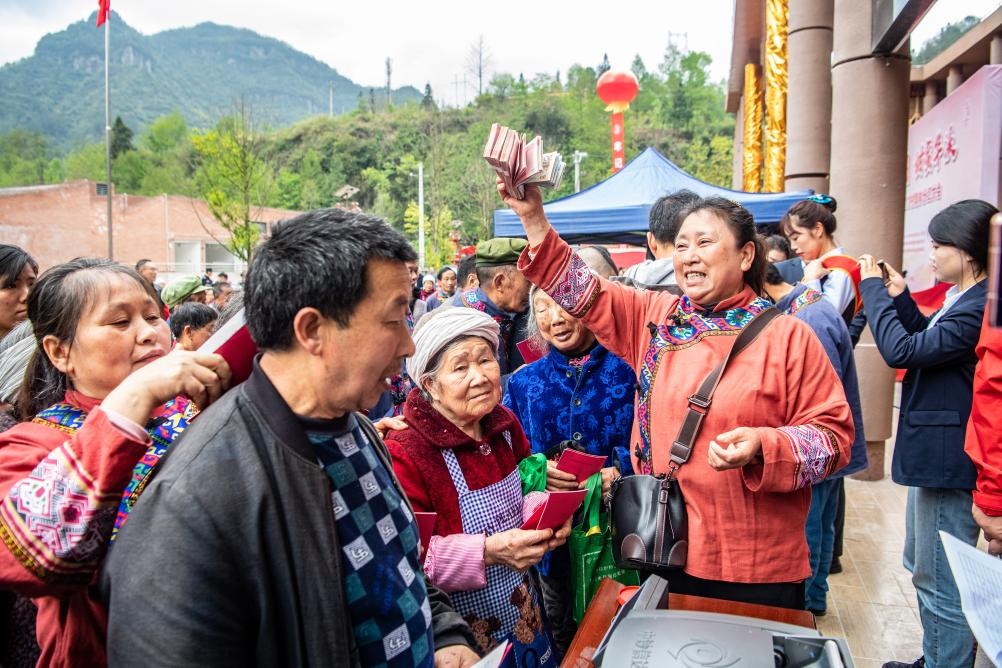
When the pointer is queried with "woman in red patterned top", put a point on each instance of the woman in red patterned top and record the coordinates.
(107, 400)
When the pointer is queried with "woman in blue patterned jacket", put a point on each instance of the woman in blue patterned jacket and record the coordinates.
(582, 393)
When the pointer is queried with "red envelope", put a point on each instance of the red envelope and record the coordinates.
(581, 464)
(532, 349)
(554, 512)
(233, 341)
(426, 527)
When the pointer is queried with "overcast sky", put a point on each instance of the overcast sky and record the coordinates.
(430, 41)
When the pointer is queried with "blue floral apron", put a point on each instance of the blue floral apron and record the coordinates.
(510, 606)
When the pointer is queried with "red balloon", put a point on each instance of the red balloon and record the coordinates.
(617, 87)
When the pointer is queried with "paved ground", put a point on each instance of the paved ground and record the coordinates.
(872, 602)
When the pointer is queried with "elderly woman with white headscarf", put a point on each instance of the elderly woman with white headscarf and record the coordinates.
(458, 457)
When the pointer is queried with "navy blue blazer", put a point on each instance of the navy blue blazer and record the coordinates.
(937, 390)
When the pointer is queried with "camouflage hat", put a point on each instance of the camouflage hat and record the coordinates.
(181, 288)
(499, 251)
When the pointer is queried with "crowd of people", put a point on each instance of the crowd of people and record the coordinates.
(152, 512)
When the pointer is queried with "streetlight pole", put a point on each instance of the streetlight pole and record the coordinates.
(578, 157)
(420, 205)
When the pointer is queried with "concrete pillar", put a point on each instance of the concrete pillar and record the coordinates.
(868, 159)
(931, 98)
(954, 78)
(737, 175)
(995, 50)
(809, 107)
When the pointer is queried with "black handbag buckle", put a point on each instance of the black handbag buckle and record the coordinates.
(697, 400)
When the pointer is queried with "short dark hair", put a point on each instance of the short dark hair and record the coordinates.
(13, 260)
(964, 225)
(141, 263)
(486, 274)
(772, 275)
(191, 313)
(318, 259)
(441, 272)
(223, 276)
(217, 288)
(778, 242)
(55, 305)
(742, 225)
(814, 209)
(665, 220)
(467, 266)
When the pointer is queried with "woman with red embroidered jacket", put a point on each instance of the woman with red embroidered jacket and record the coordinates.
(779, 421)
(101, 372)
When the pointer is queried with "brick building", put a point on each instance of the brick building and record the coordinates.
(58, 222)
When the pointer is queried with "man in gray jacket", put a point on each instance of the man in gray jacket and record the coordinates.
(662, 228)
(275, 532)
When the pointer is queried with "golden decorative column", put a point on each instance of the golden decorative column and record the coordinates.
(776, 81)
(752, 171)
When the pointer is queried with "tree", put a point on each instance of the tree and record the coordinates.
(232, 178)
(478, 61)
(948, 34)
(121, 138)
(604, 66)
(24, 158)
(86, 162)
(428, 101)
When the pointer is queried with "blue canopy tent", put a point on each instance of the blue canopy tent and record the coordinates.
(616, 210)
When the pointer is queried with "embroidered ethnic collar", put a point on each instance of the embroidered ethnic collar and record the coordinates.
(436, 429)
(798, 298)
(690, 323)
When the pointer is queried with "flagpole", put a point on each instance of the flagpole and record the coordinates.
(107, 129)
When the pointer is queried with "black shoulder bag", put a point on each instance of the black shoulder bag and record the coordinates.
(650, 528)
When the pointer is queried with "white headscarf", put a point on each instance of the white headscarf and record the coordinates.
(435, 331)
(15, 352)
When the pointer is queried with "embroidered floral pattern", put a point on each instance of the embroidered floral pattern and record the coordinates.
(805, 298)
(815, 450)
(54, 520)
(576, 288)
(688, 327)
(163, 430)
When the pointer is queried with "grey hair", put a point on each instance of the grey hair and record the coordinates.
(436, 362)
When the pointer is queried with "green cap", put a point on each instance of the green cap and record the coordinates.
(499, 251)
(181, 288)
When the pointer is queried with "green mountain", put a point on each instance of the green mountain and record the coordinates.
(203, 72)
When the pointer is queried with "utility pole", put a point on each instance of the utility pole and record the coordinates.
(420, 200)
(389, 70)
(578, 157)
(330, 99)
(455, 85)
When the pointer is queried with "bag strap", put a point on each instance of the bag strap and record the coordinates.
(699, 402)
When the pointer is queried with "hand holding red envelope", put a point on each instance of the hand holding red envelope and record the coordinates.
(581, 464)
(557, 509)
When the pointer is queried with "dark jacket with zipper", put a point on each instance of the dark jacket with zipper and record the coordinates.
(231, 555)
(937, 389)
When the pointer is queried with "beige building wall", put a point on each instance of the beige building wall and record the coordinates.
(58, 222)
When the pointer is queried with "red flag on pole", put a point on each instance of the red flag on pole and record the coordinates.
(103, 8)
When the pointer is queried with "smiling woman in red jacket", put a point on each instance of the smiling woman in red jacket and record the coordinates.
(104, 395)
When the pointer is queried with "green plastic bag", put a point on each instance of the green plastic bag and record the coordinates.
(590, 545)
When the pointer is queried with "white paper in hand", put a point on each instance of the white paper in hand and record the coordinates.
(979, 579)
